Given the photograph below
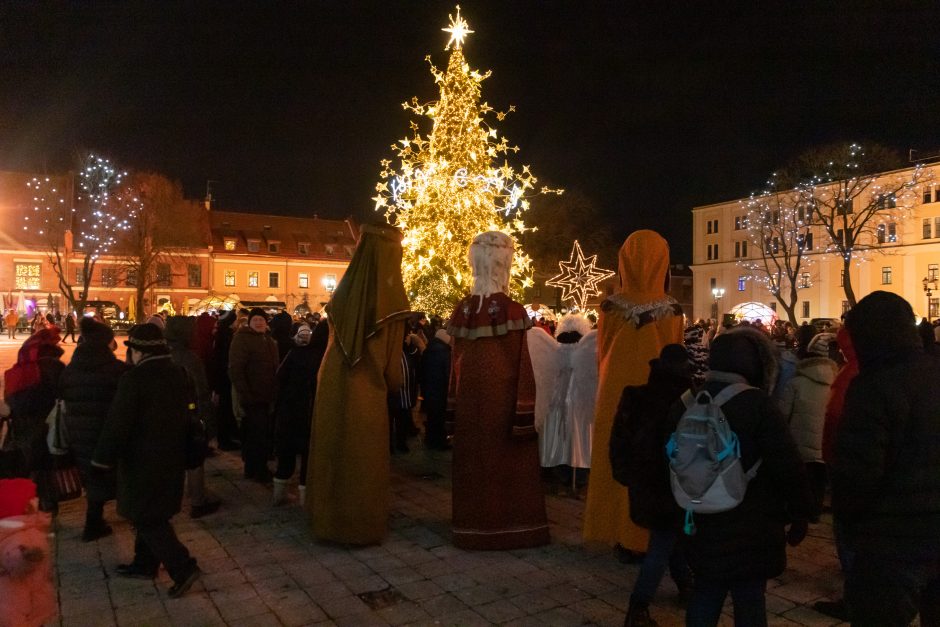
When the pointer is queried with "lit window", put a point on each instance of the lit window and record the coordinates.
(329, 250)
(742, 280)
(886, 275)
(28, 276)
(804, 280)
(229, 244)
(892, 232)
(932, 272)
(109, 277)
(252, 279)
(738, 223)
(274, 279)
(254, 245)
(229, 278)
(933, 307)
(303, 280)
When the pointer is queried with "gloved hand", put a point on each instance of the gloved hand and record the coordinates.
(797, 532)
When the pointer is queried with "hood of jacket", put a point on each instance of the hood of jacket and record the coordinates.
(179, 330)
(644, 267)
(883, 329)
(746, 352)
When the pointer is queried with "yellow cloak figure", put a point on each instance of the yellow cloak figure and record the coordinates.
(348, 474)
(632, 328)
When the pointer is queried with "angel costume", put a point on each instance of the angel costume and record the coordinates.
(498, 503)
(633, 326)
(565, 384)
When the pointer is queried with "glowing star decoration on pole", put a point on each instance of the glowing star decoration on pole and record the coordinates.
(579, 277)
(452, 184)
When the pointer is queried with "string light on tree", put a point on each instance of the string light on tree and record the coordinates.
(579, 277)
(453, 184)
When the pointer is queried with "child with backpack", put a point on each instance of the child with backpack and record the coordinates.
(737, 550)
(640, 430)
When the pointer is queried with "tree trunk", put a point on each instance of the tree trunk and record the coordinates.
(847, 281)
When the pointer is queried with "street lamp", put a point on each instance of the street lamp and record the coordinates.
(717, 292)
(930, 286)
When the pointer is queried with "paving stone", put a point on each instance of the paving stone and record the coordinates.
(302, 614)
(252, 606)
(443, 605)
(257, 620)
(499, 611)
(807, 616)
(403, 613)
(221, 580)
(338, 607)
(419, 590)
(534, 602)
(466, 618)
(147, 613)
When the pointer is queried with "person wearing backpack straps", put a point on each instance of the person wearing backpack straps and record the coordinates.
(738, 550)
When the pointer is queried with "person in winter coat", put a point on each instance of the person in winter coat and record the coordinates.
(737, 551)
(69, 327)
(11, 320)
(297, 390)
(435, 377)
(145, 438)
(641, 429)
(87, 386)
(252, 367)
(30, 388)
(179, 333)
(280, 327)
(803, 405)
(221, 385)
(402, 401)
(886, 471)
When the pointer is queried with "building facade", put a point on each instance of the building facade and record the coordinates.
(257, 259)
(901, 255)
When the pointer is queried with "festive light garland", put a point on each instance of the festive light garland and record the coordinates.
(448, 186)
(579, 277)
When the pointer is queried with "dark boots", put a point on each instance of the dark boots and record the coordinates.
(639, 616)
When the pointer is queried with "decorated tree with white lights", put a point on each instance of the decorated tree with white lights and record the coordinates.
(453, 184)
(856, 203)
(780, 238)
(83, 228)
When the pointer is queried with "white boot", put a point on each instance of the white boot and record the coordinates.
(279, 495)
(302, 494)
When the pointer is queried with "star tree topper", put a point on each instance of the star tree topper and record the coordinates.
(579, 277)
(458, 29)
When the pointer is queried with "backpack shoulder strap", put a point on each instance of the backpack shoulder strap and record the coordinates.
(730, 392)
(688, 399)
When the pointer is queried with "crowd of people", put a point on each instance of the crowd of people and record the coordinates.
(783, 422)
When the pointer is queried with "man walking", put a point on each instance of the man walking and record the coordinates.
(145, 436)
(886, 471)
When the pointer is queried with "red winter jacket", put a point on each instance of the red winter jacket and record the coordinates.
(837, 394)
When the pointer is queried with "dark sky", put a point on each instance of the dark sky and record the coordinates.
(646, 108)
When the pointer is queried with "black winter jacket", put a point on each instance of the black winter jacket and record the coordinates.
(87, 386)
(886, 471)
(435, 376)
(297, 390)
(145, 438)
(637, 448)
(749, 541)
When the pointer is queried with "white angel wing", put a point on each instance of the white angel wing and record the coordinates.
(582, 394)
(543, 351)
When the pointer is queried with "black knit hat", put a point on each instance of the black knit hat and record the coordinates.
(257, 311)
(147, 338)
(747, 352)
(95, 332)
(674, 360)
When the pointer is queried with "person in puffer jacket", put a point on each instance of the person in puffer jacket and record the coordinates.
(803, 405)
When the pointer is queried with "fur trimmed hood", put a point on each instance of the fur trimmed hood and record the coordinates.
(574, 322)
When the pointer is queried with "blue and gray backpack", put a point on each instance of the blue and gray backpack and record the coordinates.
(704, 454)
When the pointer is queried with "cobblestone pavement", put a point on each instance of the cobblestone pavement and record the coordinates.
(262, 568)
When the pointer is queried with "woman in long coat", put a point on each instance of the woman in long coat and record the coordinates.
(632, 329)
(87, 386)
(348, 474)
(498, 502)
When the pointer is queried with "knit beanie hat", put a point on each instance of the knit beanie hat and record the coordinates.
(157, 320)
(147, 338)
(95, 332)
(302, 334)
(257, 311)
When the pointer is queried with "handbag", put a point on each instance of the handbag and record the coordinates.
(57, 439)
(197, 436)
(64, 481)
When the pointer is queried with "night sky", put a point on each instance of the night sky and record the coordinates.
(648, 109)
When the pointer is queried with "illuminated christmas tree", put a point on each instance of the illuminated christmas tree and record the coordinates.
(452, 185)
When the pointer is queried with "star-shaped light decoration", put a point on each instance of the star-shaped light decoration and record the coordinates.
(458, 30)
(579, 277)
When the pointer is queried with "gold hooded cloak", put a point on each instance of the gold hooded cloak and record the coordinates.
(632, 328)
(348, 473)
